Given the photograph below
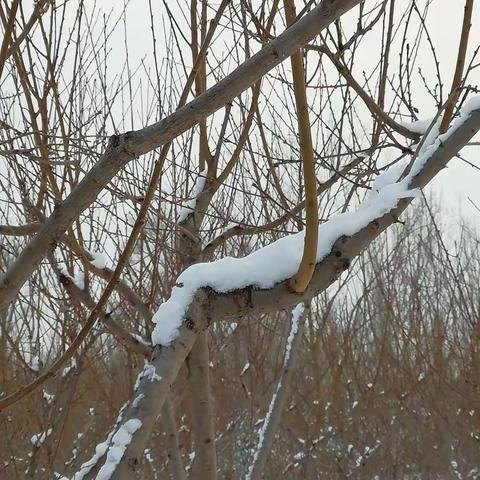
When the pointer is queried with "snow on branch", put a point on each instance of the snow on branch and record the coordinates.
(279, 261)
(272, 419)
(38, 439)
(120, 442)
(100, 450)
(119, 437)
(189, 207)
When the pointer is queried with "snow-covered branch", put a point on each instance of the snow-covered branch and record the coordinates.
(258, 283)
(272, 419)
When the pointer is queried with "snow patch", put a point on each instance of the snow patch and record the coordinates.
(269, 265)
(38, 439)
(120, 442)
(99, 260)
(296, 316)
(79, 280)
(419, 126)
(245, 369)
(189, 207)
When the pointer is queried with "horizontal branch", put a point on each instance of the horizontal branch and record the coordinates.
(20, 230)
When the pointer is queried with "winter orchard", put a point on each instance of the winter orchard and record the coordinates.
(207, 269)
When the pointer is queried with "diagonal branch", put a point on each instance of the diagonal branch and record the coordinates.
(375, 110)
(271, 421)
(457, 77)
(124, 148)
(208, 305)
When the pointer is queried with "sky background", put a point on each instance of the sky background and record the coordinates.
(455, 186)
(459, 182)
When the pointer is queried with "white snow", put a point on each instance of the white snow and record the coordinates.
(39, 438)
(419, 126)
(189, 207)
(387, 177)
(434, 140)
(280, 260)
(150, 372)
(35, 363)
(141, 339)
(296, 315)
(269, 265)
(299, 456)
(100, 449)
(137, 400)
(99, 260)
(48, 397)
(79, 280)
(245, 369)
(120, 442)
(70, 366)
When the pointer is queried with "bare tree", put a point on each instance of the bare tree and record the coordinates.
(162, 217)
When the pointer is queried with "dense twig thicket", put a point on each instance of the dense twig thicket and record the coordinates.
(147, 139)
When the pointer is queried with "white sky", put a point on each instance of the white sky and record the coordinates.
(456, 184)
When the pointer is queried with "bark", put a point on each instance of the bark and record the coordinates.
(205, 465)
(307, 265)
(168, 416)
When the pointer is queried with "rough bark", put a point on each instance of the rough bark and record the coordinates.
(205, 465)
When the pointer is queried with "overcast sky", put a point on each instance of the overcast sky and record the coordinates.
(456, 184)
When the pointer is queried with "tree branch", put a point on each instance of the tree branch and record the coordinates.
(124, 148)
(208, 306)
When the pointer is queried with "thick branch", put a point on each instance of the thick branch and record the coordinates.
(168, 417)
(205, 466)
(208, 305)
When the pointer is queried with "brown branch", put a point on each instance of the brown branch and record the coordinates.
(307, 265)
(8, 34)
(240, 230)
(20, 230)
(208, 306)
(205, 466)
(457, 77)
(122, 261)
(375, 110)
(115, 328)
(383, 78)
